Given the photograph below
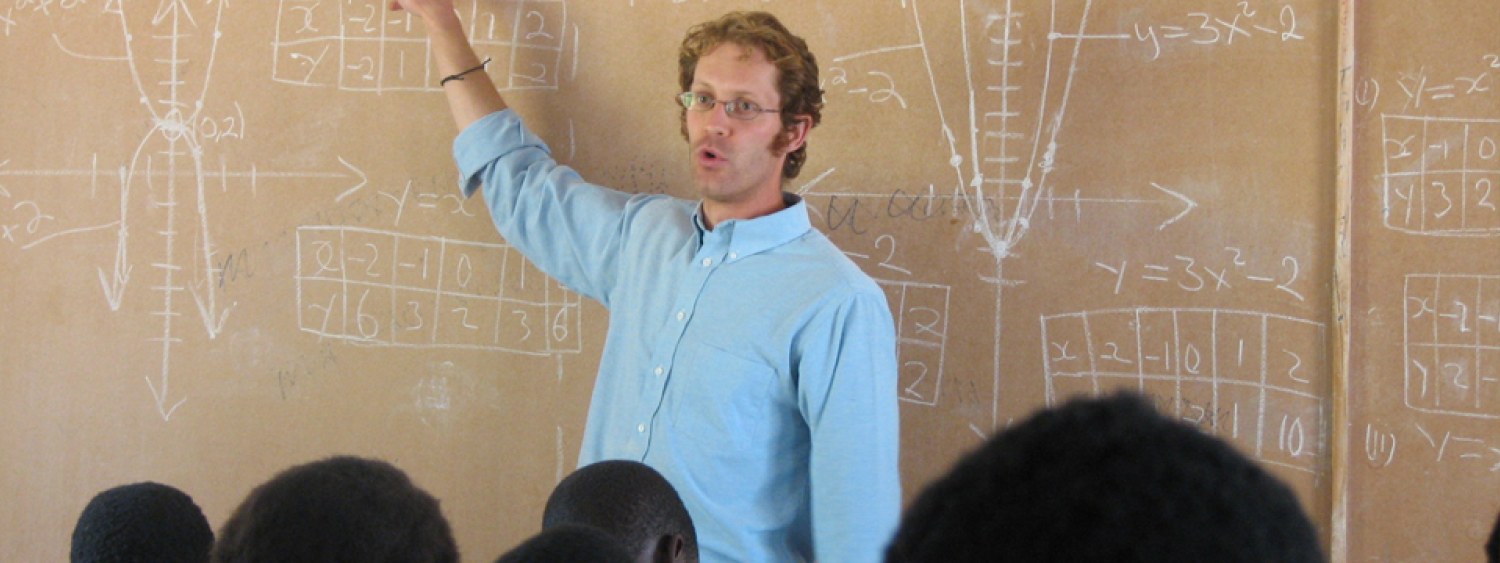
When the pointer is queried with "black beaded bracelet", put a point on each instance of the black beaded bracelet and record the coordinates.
(460, 76)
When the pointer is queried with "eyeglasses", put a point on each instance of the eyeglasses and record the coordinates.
(738, 109)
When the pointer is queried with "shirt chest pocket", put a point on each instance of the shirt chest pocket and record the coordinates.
(725, 404)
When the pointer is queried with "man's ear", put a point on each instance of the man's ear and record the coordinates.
(795, 133)
(670, 548)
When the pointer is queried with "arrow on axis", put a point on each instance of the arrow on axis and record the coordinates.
(114, 285)
(1189, 205)
(1077, 200)
(171, 8)
(362, 180)
(161, 398)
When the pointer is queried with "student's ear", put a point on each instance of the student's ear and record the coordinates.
(670, 548)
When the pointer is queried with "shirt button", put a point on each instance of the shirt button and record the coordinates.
(659, 371)
(681, 315)
(733, 255)
(708, 262)
(640, 428)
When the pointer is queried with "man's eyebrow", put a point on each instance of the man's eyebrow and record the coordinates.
(699, 85)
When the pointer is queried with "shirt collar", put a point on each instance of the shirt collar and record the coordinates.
(752, 236)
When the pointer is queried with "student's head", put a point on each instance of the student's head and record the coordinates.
(1105, 480)
(341, 509)
(1492, 548)
(568, 544)
(141, 523)
(748, 57)
(630, 501)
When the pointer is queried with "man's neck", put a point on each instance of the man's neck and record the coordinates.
(716, 212)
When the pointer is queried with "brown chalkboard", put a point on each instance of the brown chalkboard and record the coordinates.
(1425, 344)
(233, 241)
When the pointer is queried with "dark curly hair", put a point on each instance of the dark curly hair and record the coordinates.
(626, 498)
(797, 80)
(1105, 480)
(340, 509)
(569, 543)
(142, 523)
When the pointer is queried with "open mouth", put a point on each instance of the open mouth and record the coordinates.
(711, 155)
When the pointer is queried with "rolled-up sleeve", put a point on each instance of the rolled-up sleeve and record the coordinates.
(569, 228)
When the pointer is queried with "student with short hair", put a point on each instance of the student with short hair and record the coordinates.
(340, 509)
(568, 543)
(141, 523)
(630, 501)
(1492, 548)
(1105, 480)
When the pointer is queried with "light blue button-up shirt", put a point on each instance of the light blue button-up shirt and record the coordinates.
(753, 365)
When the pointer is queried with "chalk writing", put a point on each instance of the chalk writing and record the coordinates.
(1244, 376)
(433, 393)
(1420, 86)
(848, 209)
(1211, 274)
(1246, 22)
(1451, 447)
(928, 203)
(1441, 175)
(172, 86)
(1380, 447)
(298, 371)
(46, 7)
(1019, 69)
(170, 49)
(1452, 344)
(921, 314)
(224, 128)
(842, 212)
(359, 45)
(873, 85)
(391, 289)
(7, 21)
(439, 200)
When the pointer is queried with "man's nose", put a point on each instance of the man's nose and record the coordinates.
(719, 121)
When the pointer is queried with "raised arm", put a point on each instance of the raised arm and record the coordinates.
(475, 95)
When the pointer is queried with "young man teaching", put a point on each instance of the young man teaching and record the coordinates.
(747, 359)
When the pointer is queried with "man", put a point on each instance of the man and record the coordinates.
(341, 508)
(630, 501)
(1105, 481)
(747, 359)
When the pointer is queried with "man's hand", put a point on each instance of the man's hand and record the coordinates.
(431, 11)
(419, 6)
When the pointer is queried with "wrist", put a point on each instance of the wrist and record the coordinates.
(444, 22)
